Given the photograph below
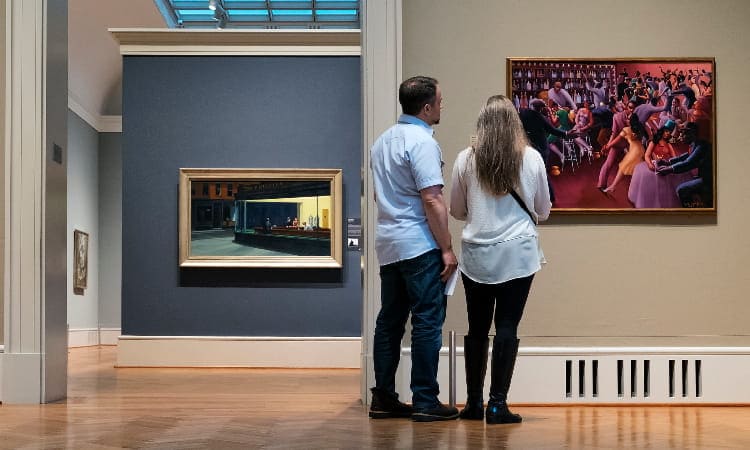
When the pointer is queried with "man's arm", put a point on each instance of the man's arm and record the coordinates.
(550, 129)
(437, 219)
(684, 163)
(568, 97)
(617, 126)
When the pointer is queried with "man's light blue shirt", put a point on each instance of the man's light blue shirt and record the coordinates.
(404, 160)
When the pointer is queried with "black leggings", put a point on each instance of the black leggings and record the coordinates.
(507, 299)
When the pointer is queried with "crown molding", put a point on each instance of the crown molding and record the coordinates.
(110, 124)
(166, 41)
(82, 112)
(102, 124)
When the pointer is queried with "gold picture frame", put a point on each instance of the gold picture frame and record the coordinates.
(577, 181)
(80, 261)
(283, 218)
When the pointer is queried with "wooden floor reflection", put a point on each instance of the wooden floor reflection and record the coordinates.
(309, 409)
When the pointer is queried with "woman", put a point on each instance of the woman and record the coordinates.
(584, 121)
(649, 190)
(500, 252)
(678, 115)
(659, 147)
(634, 135)
(560, 119)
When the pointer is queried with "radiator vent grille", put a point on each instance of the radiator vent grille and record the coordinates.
(609, 375)
(633, 378)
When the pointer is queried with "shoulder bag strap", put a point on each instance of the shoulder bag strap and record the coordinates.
(523, 205)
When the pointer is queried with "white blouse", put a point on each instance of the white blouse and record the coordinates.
(499, 241)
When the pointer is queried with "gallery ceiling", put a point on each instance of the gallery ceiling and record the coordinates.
(94, 61)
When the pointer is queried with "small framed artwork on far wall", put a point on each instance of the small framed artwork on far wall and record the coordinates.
(80, 261)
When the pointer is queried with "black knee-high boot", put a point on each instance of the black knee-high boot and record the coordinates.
(475, 362)
(504, 353)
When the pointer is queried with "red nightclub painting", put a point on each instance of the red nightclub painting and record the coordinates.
(621, 135)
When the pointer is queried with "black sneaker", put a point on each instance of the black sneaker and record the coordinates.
(439, 412)
(386, 405)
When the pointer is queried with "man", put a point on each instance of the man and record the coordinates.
(691, 82)
(561, 96)
(598, 90)
(537, 127)
(603, 116)
(622, 86)
(697, 192)
(689, 94)
(414, 250)
(619, 121)
(645, 110)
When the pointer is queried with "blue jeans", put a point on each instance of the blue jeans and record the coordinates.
(412, 286)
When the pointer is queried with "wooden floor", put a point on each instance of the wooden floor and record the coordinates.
(311, 409)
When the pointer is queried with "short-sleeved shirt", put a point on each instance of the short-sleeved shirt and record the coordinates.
(404, 160)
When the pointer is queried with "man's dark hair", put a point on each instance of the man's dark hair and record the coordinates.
(416, 92)
(691, 127)
(636, 126)
(537, 104)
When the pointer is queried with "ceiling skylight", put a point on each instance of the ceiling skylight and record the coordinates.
(263, 14)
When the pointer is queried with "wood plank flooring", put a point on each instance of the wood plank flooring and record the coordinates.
(112, 408)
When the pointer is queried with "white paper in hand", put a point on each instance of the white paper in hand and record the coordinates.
(450, 285)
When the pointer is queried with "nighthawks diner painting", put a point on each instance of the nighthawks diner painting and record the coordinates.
(260, 218)
(619, 135)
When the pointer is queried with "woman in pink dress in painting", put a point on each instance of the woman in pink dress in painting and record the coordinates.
(659, 147)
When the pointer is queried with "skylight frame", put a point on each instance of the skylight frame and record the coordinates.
(264, 14)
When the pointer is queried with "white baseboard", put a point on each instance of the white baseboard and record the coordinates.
(83, 337)
(20, 378)
(2, 355)
(213, 351)
(711, 375)
(88, 337)
(109, 336)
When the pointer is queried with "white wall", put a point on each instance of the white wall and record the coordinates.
(2, 171)
(83, 214)
(110, 232)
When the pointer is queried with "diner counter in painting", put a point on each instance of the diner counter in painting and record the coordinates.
(295, 241)
(298, 231)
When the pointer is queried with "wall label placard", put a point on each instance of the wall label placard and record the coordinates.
(353, 233)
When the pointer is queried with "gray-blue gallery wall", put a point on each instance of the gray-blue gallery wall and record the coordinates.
(245, 112)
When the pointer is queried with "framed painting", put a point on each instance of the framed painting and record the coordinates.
(627, 135)
(288, 218)
(80, 261)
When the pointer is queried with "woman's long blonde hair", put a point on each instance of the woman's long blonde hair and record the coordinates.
(501, 141)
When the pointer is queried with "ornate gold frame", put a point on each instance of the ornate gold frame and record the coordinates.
(254, 176)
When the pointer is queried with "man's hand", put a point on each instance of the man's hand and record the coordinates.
(450, 264)
(664, 170)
